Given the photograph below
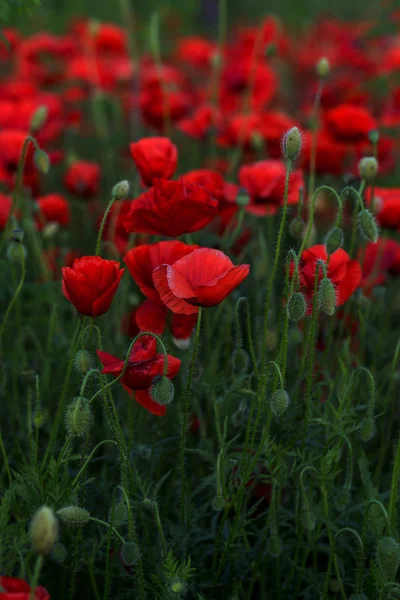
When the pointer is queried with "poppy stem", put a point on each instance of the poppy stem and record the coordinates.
(109, 526)
(185, 419)
(313, 156)
(16, 293)
(36, 575)
(103, 222)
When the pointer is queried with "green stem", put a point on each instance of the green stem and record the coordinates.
(392, 511)
(160, 531)
(314, 133)
(36, 575)
(109, 526)
(16, 293)
(103, 222)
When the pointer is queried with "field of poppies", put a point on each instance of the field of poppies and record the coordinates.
(200, 303)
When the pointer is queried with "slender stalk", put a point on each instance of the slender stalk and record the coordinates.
(109, 526)
(160, 531)
(392, 511)
(36, 575)
(314, 134)
(16, 293)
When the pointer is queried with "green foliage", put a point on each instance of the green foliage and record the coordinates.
(11, 9)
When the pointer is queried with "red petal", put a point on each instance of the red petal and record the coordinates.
(143, 398)
(151, 317)
(177, 305)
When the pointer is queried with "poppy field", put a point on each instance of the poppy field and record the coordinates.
(200, 302)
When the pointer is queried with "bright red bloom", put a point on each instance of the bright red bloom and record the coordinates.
(52, 208)
(151, 316)
(195, 51)
(349, 123)
(331, 155)
(91, 283)
(344, 273)
(204, 277)
(379, 260)
(83, 178)
(11, 143)
(200, 123)
(12, 588)
(155, 157)
(265, 183)
(171, 208)
(386, 206)
(143, 366)
(5, 207)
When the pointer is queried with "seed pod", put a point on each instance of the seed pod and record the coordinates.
(367, 225)
(130, 554)
(296, 306)
(44, 530)
(218, 502)
(291, 143)
(79, 417)
(334, 240)
(327, 296)
(342, 499)
(323, 67)
(42, 161)
(38, 119)
(75, 516)
(83, 362)
(240, 361)
(162, 390)
(120, 514)
(368, 429)
(121, 190)
(279, 402)
(388, 558)
(296, 227)
(368, 167)
(275, 545)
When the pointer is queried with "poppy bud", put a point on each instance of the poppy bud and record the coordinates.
(162, 390)
(42, 161)
(75, 516)
(388, 557)
(368, 167)
(373, 136)
(78, 417)
(218, 502)
(257, 140)
(296, 306)
(38, 119)
(308, 520)
(327, 296)
(334, 240)
(44, 530)
(59, 553)
(275, 545)
(323, 67)
(177, 587)
(240, 361)
(342, 499)
(50, 230)
(367, 225)
(120, 514)
(296, 227)
(279, 402)
(242, 200)
(121, 190)
(83, 362)
(14, 252)
(368, 429)
(130, 554)
(18, 236)
(291, 143)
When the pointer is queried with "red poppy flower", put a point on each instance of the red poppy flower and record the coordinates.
(386, 206)
(204, 277)
(5, 207)
(265, 183)
(331, 155)
(11, 143)
(155, 157)
(91, 283)
(241, 129)
(52, 208)
(200, 123)
(18, 589)
(83, 178)
(344, 273)
(195, 51)
(143, 366)
(171, 208)
(379, 260)
(349, 123)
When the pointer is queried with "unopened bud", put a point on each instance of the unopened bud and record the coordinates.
(334, 240)
(368, 167)
(16, 252)
(367, 429)
(83, 362)
(388, 557)
(42, 161)
(44, 530)
(75, 516)
(327, 296)
(323, 67)
(130, 554)
(373, 136)
(50, 230)
(296, 306)
(79, 417)
(275, 545)
(119, 515)
(162, 390)
(242, 200)
(240, 361)
(296, 227)
(367, 225)
(342, 499)
(218, 502)
(38, 119)
(279, 402)
(177, 587)
(216, 59)
(121, 190)
(59, 553)
(291, 143)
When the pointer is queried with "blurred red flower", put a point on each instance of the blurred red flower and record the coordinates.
(52, 208)
(18, 589)
(83, 178)
(155, 157)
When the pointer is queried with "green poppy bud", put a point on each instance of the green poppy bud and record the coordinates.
(83, 362)
(79, 417)
(75, 516)
(342, 499)
(323, 67)
(327, 296)
(218, 502)
(42, 161)
(59, 553)
(279, 402)
(296, 227)
(120, 514)
(130, 554)
(308, 520)
(39, 118)
(44, 530)
(296, 306)
(388, 557)
(275, 545)
(367, 225)
(334, 240)
(121, 190)
(162, 390)
(368, 167)
(240, 361)
(291, 143)
(368, 429)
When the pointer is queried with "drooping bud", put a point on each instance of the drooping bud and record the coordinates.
(327, 296)
(59, 553)
(38, 119)
(323, 67)
(240, 361)
(162, 390)
(368, 429)
(218, 502)
(42, 161)
(275, 545)
(388, 557)
(296, 306)
(75, 516)
(130, 554)
(291, 143)
(368, 167)
(342, 499)
(121, 190)
(15, 253)
(44, 530)
(296, 227)
(78, 417)
(119, 515)
(373, 136)
(83, 362)
(279, 402)
(334, 240)
(367, 225)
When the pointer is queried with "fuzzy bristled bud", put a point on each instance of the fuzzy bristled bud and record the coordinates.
(367, 225)
(15, 252)
(162, 390)
(279, 402)
(296, 227)
(296, 306)
(291, 143)
(323, 67)
(75, 516)
(119, 514)
(83, 362)
(43, 530)
(42, 161)
(121, 190)
(342, 499)
(367, 429)
(240, 361)
(218, 502)
(177, 587)
(388, 557)
(39, 118)
(334, 240)
(275, 545)
(327, 296)
(130, 554)
(78, 417)
(368, 167)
